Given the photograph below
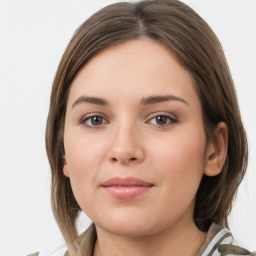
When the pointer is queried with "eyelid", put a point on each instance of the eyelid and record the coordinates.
(82, 120)
(172, 117)
(162, 113)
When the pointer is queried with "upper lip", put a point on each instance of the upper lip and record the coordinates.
(129, 181)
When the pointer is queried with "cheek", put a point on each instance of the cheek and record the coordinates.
(180, 160)
(83, 154)
(179, 164)
(84, 158)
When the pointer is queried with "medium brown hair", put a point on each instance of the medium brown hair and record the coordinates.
(177, 27)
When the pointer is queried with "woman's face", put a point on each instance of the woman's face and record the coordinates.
(135, 146)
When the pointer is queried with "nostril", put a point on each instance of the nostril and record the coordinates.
(114, 159)
(123, 159)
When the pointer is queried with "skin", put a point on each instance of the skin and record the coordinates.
(129, 141)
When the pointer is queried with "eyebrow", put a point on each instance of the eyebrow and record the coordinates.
(144, 101)
(157, 99)
(93, 100)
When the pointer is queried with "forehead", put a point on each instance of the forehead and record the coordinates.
(133, 70)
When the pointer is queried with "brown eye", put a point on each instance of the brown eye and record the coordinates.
(93, 121)
(162, 120)
(96, 120)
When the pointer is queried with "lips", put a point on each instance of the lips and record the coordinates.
(126, 188)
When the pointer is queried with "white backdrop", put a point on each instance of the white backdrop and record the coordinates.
(33, 36)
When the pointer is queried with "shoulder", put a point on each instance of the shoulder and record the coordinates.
(85, 241)
(220, 242)
(60, 251)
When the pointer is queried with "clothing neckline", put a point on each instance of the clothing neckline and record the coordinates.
(215, 236)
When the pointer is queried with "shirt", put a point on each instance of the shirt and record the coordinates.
(218, 242)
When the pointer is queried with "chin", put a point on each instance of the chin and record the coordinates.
(129, 225)
(127, 229)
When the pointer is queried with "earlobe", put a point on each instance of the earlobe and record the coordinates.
(217, 150)
(65, 167)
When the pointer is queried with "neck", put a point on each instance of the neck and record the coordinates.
(182, 239)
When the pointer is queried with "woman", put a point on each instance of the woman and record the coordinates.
(144, 135)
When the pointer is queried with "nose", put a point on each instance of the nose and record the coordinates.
(126, 146)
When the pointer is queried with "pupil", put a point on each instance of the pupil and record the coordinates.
(96, 120)
(161, 119)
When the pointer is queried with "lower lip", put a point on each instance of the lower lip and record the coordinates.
(126, 192)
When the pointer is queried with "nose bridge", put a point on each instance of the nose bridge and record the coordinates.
(126, 146)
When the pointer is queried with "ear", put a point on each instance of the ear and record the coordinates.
(65, 166)
(217, 150)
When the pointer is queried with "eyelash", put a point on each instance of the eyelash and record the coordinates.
(85, 119)
(170, 118)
